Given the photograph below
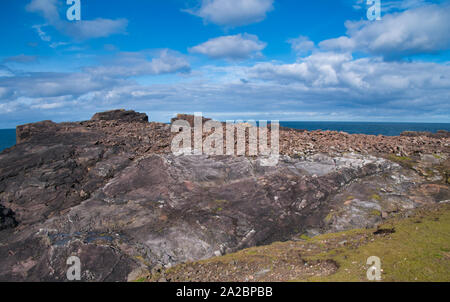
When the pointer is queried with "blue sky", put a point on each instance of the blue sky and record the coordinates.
(230, 59)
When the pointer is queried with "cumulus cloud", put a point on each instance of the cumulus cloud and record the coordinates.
(302, 45)
(237, 47)
(317, 70)
(342, 44)
(128, 64)
(80, 30)
(98, 28)
(52, 84)
(423, 30)
(324, 85)
(233, 12)
(51, 90)
(339, 80)
(47, 8)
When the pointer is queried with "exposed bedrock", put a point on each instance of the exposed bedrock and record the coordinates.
(121, 115)
(109, 192)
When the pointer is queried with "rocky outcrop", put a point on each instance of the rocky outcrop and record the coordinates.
(310, 142)
(438, 134)
(121, 115)
(189, 118)
(110, 192)
(36, 130)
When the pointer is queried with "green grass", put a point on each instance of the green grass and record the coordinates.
(415, 252)
(305, 237)
(404, 161)
(375, 213)
(376, 197)
(418, 250)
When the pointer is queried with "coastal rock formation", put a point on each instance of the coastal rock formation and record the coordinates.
(120, 115)
(438, 134)
(109, 191)
(188, 118)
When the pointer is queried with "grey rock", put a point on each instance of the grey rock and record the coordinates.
(109, 192)
(121, 115)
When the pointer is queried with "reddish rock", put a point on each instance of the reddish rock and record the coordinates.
(120, 115)
(110, 191)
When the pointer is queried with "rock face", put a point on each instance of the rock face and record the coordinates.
(36, 130)
(7, 218)
(188, 118)
(121, 115)
(110, 192)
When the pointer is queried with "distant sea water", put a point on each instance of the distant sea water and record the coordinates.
(370, 128)
(8, 136)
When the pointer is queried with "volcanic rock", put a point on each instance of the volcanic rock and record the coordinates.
(189, 118)
(110, 192)
(121, 115)
(438, 134)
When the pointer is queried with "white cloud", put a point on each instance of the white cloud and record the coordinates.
(237, 47)
(15, 85)
(321, 86)
(80, 30)
(341, 43)
(98, 28)
(130, 64)
(358, 4)
(48, 105)
(42, 34)
(233, 12)
(53, 84)
(422, 30)
(368, 77)
(393, 5)
(317, 70)
(47, 8)
(388, 6)
(302, 45)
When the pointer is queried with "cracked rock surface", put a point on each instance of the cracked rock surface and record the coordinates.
(110, 192)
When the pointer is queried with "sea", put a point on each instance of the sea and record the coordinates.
(8, 136)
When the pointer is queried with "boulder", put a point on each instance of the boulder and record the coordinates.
(122, 115)
(26, 132)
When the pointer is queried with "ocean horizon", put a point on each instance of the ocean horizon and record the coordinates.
(8, 136)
